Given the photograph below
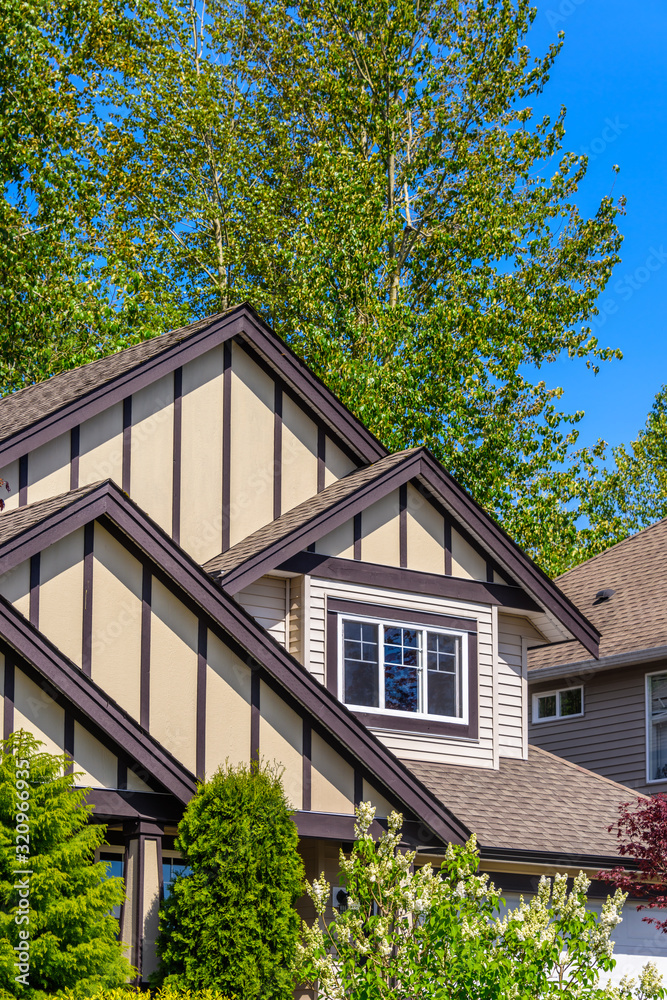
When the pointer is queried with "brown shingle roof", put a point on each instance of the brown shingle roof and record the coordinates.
(634, 617)
(299, 516)
(542, 804)
(35, 402)
(14, 522)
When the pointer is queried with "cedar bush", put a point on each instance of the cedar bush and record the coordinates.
(231, 924)
(65, 914)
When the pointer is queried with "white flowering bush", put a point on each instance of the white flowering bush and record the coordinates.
(412, 933)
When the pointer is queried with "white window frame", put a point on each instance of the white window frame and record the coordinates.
(558, 717)
(462, 720)
(649, 722)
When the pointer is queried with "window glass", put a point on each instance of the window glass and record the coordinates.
(658, 727)
(401, 669)
(442, 662)
(546, 706)
(360, 653)
(171, 867)
(114, 869)
(570, 702)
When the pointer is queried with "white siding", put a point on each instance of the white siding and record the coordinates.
(512, 684)
(478, 753)
(267, 601)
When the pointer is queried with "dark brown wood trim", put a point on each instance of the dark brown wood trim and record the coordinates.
(358, 787)
(34, 589)
(339, 826)
(8, 706)
(127, 443)
(23, 480)
(489, 571)
(145, 684)
(277, 450)
(68, 739)
(87, 636)
(202, 651)
(307, 743)
(121, 774)
(139, 912)
(255, 714)
(412, 581)
(403, 524)
(226, 441)
(376, 720)
(357, 536)
(177, 456)
(448, 547)
(74, 444)
(321, 457)
(348, 607)
(115, 804)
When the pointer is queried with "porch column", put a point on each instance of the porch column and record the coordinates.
(143, 893)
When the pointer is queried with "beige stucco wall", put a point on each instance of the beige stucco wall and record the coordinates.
(339, 542)
(227, 707)
(128, 925)
(380, 539)
(425, 529)
(332, 779)
(116, 630)
(251, 456)
(15, 587)
(150, 907)
(61, 594)
(383, 807)
(336, 463)
(98, 764)
(466, 562)
(152, 450)
(281, 742)
(299, 455)
(101, 447)
(10, 474)
(173, 675)
(36, 712)
(48, 469)
(201, 455)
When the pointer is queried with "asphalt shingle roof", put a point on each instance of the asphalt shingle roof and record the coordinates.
(14, 522)
(634, 617)
(540, 804)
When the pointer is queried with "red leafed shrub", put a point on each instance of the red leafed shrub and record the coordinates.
(642, 830)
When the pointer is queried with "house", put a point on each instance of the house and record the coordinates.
(205, 557)
(609, 714)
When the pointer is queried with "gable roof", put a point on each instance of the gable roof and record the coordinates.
(90, 700)
(40, 412)
(47, 521)
(632, 622)
(543, 805)
(283, 538)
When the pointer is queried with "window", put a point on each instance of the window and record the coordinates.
(171, 868)
(404, 669)
(114, 863)
(562, 704)
(657, 726)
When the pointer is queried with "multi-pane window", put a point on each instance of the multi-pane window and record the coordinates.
(401, 668)
(171, 868)
(114, 869)
(558, 704)
(657, 727)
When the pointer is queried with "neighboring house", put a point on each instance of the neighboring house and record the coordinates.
(610, 714)
(207, 558)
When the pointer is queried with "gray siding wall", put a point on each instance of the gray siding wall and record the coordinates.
(610, 737)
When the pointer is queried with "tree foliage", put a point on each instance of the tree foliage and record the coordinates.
(52, 893)
(642, 831)
(231, 924)
(411, 932)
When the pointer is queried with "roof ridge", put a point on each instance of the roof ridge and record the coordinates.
(611, 548)
(586, 770)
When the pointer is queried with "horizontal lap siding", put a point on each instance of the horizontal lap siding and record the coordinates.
(511, 684)
(610, 737)
(416, 746)
(266, 601)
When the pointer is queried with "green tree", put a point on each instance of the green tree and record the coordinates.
(373, 179)
(408, 931)
(231, 924)
(55, 901)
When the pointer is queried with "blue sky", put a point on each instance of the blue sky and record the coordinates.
(612, 77)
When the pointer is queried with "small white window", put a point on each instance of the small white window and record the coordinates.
(563, 704)
(656, 697)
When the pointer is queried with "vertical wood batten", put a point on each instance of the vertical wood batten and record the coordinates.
(23, 480)
(357, 536)
(74, 448)
(254, 714)
(34, 589)
(86, 644)
(307, 766)
(448, 547)
(68, 740)
(403, 525)
(358, 787)
(277, 451)
(127, 442)
(8, 707)
(202, 652)
(226, 441)
(177, 456)
(144, 703)
(321, 457)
